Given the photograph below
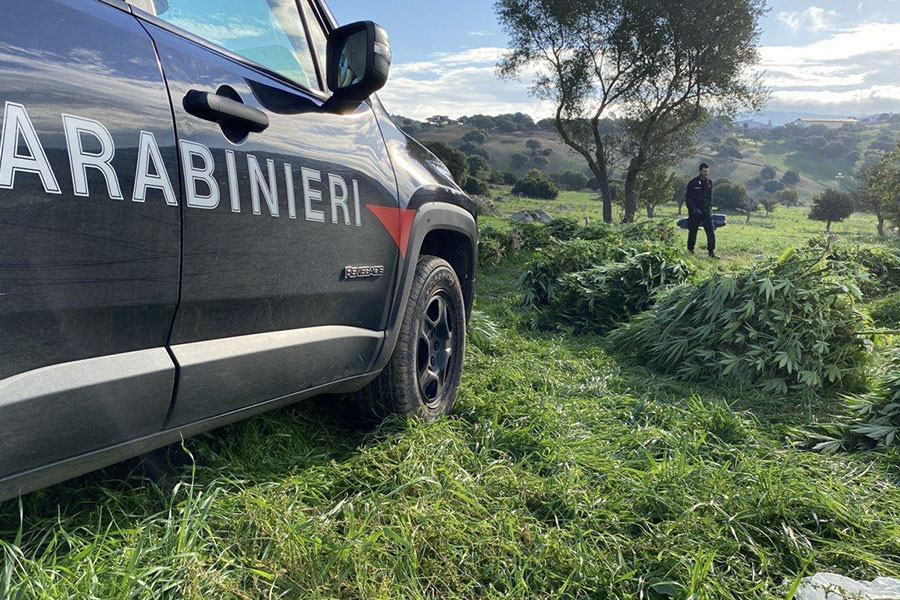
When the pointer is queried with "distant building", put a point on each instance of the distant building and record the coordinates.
(827, 122)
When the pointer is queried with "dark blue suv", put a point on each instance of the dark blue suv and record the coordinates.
(205, 213)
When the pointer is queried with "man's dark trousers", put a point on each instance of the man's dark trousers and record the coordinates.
(695, 221)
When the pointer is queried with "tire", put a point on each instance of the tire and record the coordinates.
(422, 377)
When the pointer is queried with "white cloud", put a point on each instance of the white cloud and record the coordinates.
(852, 72)
(876, 99)
(814, 18)
(466, 90)
(481, 34)
(447, 61)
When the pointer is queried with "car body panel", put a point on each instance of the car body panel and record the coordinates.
(133, 324)
(87, 274)
(276, 264)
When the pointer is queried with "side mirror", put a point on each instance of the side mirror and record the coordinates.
(358, 63)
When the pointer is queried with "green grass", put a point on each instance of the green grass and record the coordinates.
(564, 473)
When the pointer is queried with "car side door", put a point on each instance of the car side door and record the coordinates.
(89, 232)
(281, 196)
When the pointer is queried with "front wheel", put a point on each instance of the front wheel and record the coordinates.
(422, 377)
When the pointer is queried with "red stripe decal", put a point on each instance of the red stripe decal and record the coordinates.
(398, 222)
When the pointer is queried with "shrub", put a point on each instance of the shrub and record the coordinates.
(517, 160)
(475, 136)
(767, 173)
(493, 245)
(790, 178)
(601, 297)
(886, 311)
(880, 265)
(773, 186)
(786, 324)
(529, 236)
(540, 161)
(874, 418)
(654, 231)
(476, 186)
(535, 185)
(570, 180)
(477, 164)
(539, 281)
(510, 178)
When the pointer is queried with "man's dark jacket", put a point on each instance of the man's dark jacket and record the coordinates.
(699, 196)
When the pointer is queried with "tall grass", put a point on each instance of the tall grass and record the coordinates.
(563, 474)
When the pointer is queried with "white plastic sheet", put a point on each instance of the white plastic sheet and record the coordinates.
(828, 586)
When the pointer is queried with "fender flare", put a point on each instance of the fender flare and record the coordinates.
(430, 216)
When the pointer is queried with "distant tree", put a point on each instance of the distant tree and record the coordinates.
(831, 206)
(482, 153)
(769, 204)
(643, 59)
(656, 188)
(788, 197)
(533, 145)
(476, 136)
(468, 147)
(453, 158)
(481, 121)
(510, 178)
(547, 152)
(570, 180)
(767, 173)
(518, 160)
(477, 165)
(816, 142)
(507, 126)
(439, 121)
(773, 186)
(790, 178)
(523, 121)
(730, 196)
(882, 145)
(880, 189)
(540, 161)
(535, 185)
(833, 150)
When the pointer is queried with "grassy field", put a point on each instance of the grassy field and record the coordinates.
(565, 472)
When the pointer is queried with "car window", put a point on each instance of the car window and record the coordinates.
(268, 32)
(318, 35)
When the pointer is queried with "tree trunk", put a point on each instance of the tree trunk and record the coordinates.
(680, 205)
(748, 217)
(880, 225)
(630, 193)
(650, 210)
(828, 227)
(603, 177)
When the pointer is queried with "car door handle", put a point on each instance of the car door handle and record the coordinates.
(213, 107)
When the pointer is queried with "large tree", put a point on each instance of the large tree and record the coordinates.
(880, 190)
(831, 206)
(655, 66)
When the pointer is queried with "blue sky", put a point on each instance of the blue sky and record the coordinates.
(838, 58)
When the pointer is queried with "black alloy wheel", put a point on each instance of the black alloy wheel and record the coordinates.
(423, 374)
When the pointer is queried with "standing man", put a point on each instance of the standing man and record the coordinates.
(698, 199)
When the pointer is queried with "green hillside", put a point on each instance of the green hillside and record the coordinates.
(823, 155)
